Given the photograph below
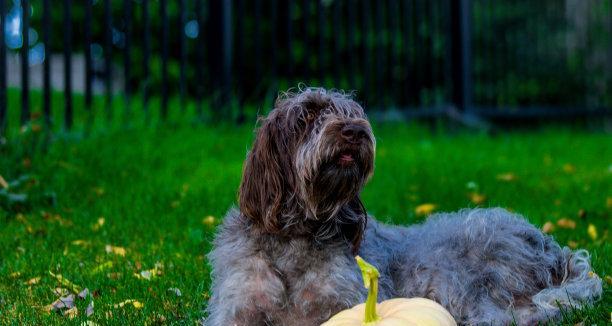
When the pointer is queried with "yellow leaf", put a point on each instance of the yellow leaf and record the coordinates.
(477, 198)
(569, 168)
(15, 275)
(506, 177)
(65, 282)
(83, 243)
(593, 274)
(209, 220)
(71, 313)
(99, 191)
(120, 251)
(566, 223)
(592, 231)
(548, 227)
(99, 224)
(33, 281)
(572, 244)
(424, 209)
(3, 183)
(137, 304)
(609, 279)
(102, 267)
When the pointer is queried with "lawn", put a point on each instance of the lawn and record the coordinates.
(134, 211)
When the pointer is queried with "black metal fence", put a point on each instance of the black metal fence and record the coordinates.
(413, 57)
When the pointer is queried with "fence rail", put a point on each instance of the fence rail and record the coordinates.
(492, 58)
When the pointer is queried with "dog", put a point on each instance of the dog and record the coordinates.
(286, 256)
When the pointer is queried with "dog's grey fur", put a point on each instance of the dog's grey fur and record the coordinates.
(286, 257)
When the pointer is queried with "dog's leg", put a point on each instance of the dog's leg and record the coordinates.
(245, 295)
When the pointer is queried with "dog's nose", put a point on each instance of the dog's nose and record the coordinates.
(353, 133)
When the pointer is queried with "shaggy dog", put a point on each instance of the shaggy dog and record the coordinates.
(286, 257)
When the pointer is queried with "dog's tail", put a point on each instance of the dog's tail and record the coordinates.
(579, 286)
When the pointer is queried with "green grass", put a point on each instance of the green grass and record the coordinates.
(154, 188)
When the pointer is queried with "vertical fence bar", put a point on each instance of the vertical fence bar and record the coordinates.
(336, 36)
(227, 55)
(408, 40)
(182, 53)
(393, 12)
(289, 40)
(3, 107)
(199, 50)
(88, 62)
(258, 42)
(321, 41)
(274, 44)
(25, 65)
(365, 48)
(67, 65)
(108, 43)
(127, 31)
(378, 31)
(462, 54)
(164, 58)
(239, 81)
(47, 63)
(306, 40)
(350, 38)
(146, 56)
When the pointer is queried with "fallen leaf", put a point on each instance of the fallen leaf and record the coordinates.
(3, 183)
(424, 209)
(83, 243)
(102, 267)
(61, 292)
(592, 231)
(137, 304)
(566, 223)
(32, 281)
(176, 291)
(99, 224)
(209, 220)
(582, 213)
(71, 313)
(15, 275)
(65, 282)
(506, 177)
(99, 191)
(66, 302)
(569, 168)
(115, 250)
(477, 198)
(609, 202)
(548, 227)
(150, 273)
(593, 274)
(114, 275)
(90, 309)
(609, 279)
(572, 244)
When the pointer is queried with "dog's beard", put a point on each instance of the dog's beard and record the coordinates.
(339, 179)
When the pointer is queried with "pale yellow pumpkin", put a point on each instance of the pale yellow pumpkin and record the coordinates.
(394, 312)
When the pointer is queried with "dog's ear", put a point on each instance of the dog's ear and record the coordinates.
(265, 176)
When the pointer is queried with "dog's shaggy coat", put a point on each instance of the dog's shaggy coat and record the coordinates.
(286, 257)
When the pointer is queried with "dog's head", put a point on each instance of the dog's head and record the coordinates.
(311, 157)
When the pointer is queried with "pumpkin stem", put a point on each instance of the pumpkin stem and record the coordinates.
(370, 281)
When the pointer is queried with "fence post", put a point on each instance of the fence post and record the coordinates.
(220, 62)
(461, 40)
(67, 65)
(3, 109)
(25, 63)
